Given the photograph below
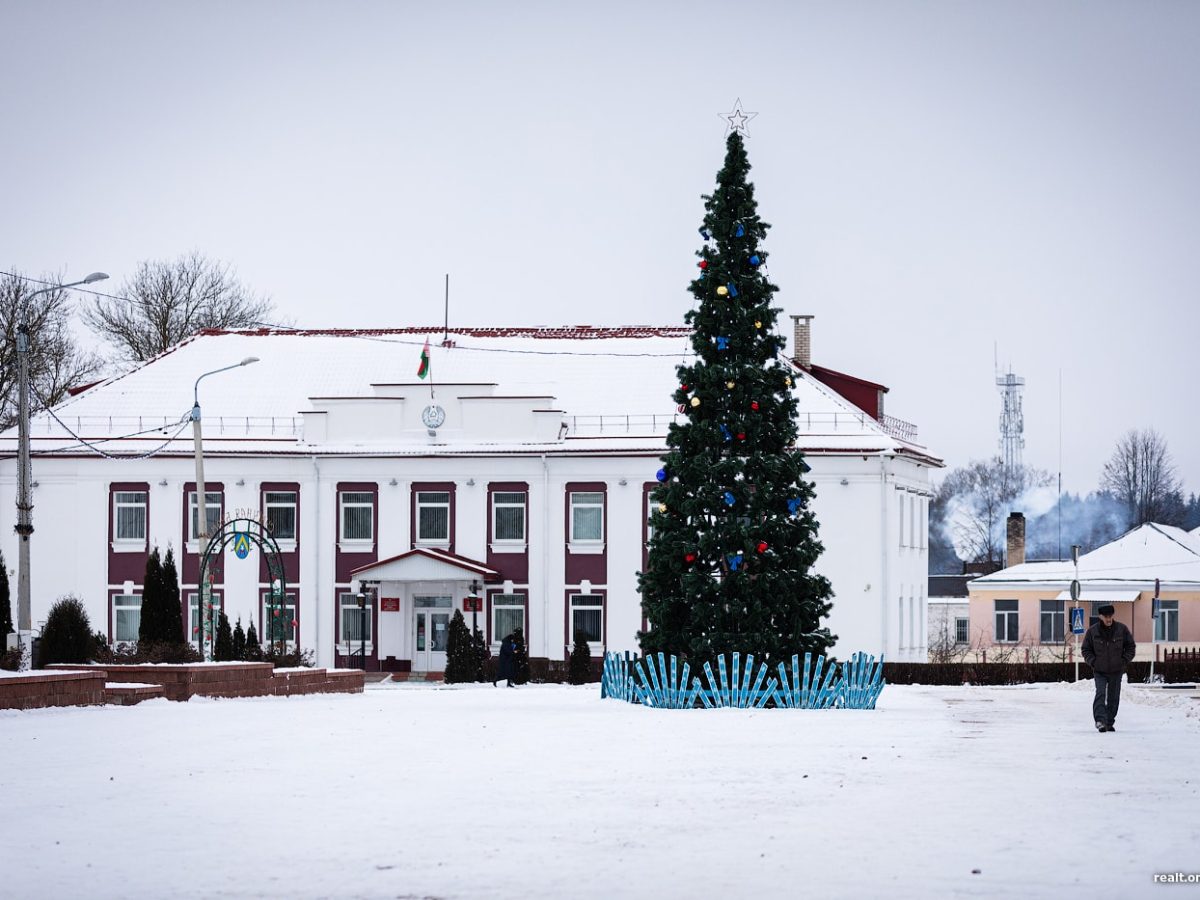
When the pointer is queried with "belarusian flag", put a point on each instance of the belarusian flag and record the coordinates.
(423, 368)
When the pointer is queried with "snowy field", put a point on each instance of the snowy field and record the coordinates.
(419, 791)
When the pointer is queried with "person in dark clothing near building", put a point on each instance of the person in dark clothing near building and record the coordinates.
(1108, 648)
(506, 665)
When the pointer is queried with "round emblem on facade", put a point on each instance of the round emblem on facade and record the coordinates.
(433, 416)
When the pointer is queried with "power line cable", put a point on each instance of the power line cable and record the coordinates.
(83, 442)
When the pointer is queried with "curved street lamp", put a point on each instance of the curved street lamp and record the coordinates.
(201, 510)
(25, 472)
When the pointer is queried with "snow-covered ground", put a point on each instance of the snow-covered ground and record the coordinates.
(417, 791)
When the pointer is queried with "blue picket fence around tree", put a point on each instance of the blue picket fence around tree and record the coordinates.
(659, 681)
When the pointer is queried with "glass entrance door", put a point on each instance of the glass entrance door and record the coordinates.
(431, 632)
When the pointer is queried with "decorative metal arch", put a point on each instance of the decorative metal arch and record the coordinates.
(257, 532)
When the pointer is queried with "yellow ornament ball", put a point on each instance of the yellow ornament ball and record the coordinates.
(695, 401)
(758, 324)
(730, 385)
(662, 507)
(787, 379)
(722, 291)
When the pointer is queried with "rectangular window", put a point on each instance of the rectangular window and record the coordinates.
(279, 620)
(358, 516)
(280, 514)
(508, 517)
(651, 509)
(1006, 622)
(587, 616)
(355, 625)
(212, 514)
(1053, 622)
(961, 629)
(433, 517)
(129, 516)
(193, 599)
(127, 617)
(1166, 626)
(587, 517)
(508, 614)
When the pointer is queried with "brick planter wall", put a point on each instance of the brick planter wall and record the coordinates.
(40, 689)
(181, 682)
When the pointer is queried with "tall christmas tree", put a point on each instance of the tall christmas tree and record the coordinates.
(734, 539)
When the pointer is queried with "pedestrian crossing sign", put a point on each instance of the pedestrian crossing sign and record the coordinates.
(1077, 620)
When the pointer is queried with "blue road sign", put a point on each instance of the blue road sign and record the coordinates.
(1077, 620)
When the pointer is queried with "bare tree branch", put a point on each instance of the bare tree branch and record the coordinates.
(1142, 476)
(56, 362)
(167, 301)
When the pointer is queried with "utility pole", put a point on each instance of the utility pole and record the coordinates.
(24, 527)
(24, 503)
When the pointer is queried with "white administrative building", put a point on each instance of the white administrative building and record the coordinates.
(519, 472)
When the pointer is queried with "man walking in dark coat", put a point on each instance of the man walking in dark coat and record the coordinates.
(506, 665)
(1108, 648)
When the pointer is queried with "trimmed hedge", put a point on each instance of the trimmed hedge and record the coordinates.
(1026, 673)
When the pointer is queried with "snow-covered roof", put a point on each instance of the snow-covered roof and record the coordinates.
(1135, 559)
(613, 387)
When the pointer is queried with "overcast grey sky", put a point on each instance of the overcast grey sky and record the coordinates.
(943, 177)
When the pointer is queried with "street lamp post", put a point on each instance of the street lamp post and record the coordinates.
(201, 511)
(24, 474)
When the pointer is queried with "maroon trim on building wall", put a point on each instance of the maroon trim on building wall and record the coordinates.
(487, 625)
(512, 567)
(265, 588)
(291, 558)
(130, 566)
(866, 395)
(584, 566)
(427, 487)
(343, 660)
(602, 593)
(113, 592)
(189, 563)
(346, 562)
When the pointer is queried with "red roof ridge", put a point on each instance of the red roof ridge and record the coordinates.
(576, 332)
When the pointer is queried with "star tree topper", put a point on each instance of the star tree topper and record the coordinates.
(737, 119)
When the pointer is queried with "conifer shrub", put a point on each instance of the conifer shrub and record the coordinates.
(461, 659)
(520, 657)
(254, 651)
(151, 625)
(67, 635)
(172, 608)
(223, 646)
(239, 640)
(481, 655)
(6, 622)
(580, 669)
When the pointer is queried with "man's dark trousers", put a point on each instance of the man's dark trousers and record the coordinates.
(1108, 697)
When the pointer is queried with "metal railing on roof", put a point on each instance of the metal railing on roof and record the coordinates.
(101, 427)
(806, 422)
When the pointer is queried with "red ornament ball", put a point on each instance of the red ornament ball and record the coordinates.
(754, 405)
(685, 388)
(690, 557)
(741, 435)
(703, 264)
(762, 546)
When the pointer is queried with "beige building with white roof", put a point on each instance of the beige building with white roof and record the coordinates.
(1028, 605)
